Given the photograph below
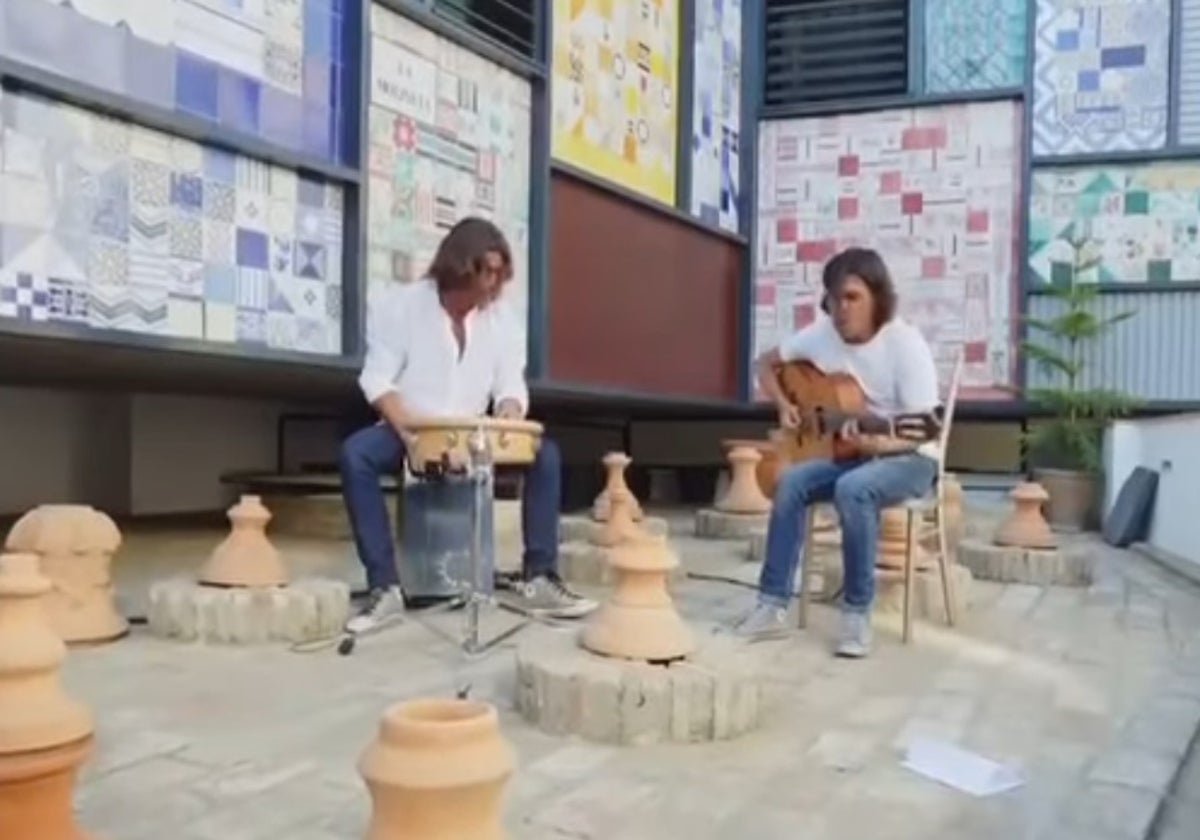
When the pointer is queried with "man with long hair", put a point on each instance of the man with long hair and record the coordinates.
(444, 346)
(860, 334)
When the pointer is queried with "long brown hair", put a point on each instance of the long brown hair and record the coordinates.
(461, 256)
(869, 267)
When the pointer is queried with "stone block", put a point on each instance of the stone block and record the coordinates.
(586, 564)
(563, 689)
(1007, 564)
(305, 611)
(582, 528)
(928, 602)
(715, 524)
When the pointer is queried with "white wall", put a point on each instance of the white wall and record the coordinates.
(1171, 447)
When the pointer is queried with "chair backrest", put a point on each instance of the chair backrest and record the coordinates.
(948, 414)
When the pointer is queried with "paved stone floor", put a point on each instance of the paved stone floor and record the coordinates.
(1094, 692)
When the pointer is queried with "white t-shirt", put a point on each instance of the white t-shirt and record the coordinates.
(411, 350)
(895, 368)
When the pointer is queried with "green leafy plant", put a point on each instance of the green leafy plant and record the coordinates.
(1073, 437)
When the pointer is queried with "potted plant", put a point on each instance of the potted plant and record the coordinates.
(1066, 449)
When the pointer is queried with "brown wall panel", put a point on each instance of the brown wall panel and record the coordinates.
(639, 301)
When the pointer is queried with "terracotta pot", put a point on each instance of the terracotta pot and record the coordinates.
(744, 496)
(619, 527)
(437, 772)
(639, 620)
(35, 792)
(44, 735)
(1073, 498)
(35, 713)
(615, 463)
(246, 557)
(1025, 527)
(75, 544)
(767, 470)
(893, 541)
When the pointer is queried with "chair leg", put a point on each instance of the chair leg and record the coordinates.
(806, 553)
(944, 567)
(910, 551)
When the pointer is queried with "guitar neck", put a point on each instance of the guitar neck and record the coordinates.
(870, 424)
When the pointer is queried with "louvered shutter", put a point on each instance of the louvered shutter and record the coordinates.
(509, 23)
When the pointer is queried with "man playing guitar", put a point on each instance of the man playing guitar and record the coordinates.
(893, 364)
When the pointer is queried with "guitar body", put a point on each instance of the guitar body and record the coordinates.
(813, 390)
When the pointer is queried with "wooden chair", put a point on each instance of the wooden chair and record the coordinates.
(916, 511)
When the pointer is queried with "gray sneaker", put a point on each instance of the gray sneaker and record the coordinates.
(854, 637)
(764, 622)
(547, 595)
(383, 606)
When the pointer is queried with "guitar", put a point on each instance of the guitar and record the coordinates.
(829, 403)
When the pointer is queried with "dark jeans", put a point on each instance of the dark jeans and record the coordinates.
(370, 453)
(858, 490)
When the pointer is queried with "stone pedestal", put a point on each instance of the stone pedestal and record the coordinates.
(719, 525)
(713, 695)
(320, 516)
(576, 528)
(305, 611)
(893, 540)
(1011, 564)
(75, 545)
(587, 564)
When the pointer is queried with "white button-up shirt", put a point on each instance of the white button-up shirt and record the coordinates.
(412, 351)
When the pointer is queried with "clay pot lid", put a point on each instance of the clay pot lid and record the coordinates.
(744, 443)
(470, 424)
(1029, 491)
(63, 529)
(616, 459)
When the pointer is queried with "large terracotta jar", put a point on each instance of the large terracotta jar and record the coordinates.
(893, 541)
(44, 735)
(246, 557)
(766, 470)
(744, 495)
(437, 771)
(1025, 526)
(75, 544)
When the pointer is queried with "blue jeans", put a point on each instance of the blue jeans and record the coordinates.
(859, 490)
(370, 453)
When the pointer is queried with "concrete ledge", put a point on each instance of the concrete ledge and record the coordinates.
(319, 515)
(1006, 564)
(1180, 565)
(928, 603)
(582, 528)
(587, 564)
(565, 690)
(715, 524)
(304, 611)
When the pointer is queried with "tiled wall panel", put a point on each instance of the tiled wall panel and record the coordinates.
(450, 137)
(974, 45)
(117, 227)
(1189, 73)
(934, 189)
(717, 112)
(268, 68)
(1101, 76)
(1142, 221)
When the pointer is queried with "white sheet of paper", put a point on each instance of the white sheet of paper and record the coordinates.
(960, 769)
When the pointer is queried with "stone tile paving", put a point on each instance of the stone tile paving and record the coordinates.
(1095, 692)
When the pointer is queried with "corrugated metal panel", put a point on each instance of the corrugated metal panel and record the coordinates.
(1189, 72)
(821, 50)
(1155, 355)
